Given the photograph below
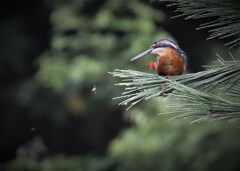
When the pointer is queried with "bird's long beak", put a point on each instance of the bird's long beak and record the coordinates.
(142, 54)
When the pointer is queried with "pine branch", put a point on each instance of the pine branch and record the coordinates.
(143, 86)
(204, 106)
(225, 14)
(192, 92)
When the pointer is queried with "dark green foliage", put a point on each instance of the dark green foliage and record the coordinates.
(161, 145)
(154, 144)
(59, 163)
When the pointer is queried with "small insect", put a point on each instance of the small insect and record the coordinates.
(171, 60)
(94, 89)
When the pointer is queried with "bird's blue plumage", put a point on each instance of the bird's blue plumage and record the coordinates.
(184, 56)
(170, 40)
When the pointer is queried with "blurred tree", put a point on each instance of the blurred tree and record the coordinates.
(87, 39)
(161, 145)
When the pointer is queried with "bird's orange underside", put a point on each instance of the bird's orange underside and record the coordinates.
(170, 63)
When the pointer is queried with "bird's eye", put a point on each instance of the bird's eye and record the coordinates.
(160, 45)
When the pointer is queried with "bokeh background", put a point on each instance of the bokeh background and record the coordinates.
(57, 111)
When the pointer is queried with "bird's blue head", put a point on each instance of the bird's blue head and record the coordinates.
(166, 42)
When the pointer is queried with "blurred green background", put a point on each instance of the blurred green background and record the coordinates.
(57, 111)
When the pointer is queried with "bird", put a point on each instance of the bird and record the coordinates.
(170, 61)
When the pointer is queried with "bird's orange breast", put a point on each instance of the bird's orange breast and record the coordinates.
(169, 62)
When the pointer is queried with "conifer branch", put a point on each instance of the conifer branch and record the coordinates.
(224, 13)
(142, 86)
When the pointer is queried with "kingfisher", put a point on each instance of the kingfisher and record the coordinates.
(171, 60)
